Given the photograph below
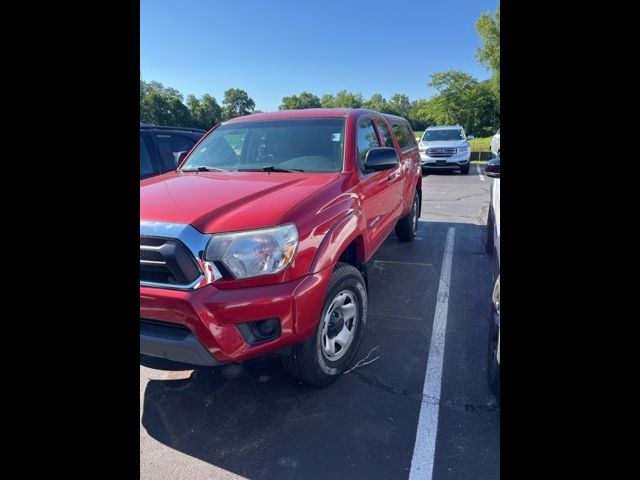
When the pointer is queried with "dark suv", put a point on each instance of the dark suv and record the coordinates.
(160, 147)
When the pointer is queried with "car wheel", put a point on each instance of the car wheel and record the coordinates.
(334, 344)
(493, 367)
(465, 169)
(407, 226)
(488, 244)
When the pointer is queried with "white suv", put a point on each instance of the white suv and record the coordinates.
(495, 145)
(492, 245)
(445, 147)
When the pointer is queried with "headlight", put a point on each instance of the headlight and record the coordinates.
(422, 148)
(463, 149)
(254, 253)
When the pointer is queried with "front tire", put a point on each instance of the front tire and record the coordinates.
(407, 227)
(464, 170)
(489, 243)
(493, 367)
(331, 350)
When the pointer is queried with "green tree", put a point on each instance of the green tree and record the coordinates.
(344, 99)
(162, 106)
(461, 99)
(237, 103)
(419, 115)
(400, 104)
(488, 27)
(378, 103)
(450, 104)
(205, 112)
(304, 100)
(484, 109)
(328, 101)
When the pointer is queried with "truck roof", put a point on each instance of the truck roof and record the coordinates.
(310, 113)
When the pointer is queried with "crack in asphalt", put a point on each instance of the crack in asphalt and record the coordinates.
(490, 406)
(454, 199)
(478, 219)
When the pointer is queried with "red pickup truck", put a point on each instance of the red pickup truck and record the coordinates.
(259, 241)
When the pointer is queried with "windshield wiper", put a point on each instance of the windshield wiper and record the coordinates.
(203, 169)
(270, 168)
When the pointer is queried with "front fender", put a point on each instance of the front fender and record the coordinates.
(341, 234)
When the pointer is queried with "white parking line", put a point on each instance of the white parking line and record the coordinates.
(480, 172)
(425, 446)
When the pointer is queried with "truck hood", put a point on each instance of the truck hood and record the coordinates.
(227, 201)
(446, 144)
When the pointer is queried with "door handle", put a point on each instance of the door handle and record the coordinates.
(393, 177)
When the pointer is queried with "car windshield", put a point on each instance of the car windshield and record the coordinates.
(445, 134)
(305, 144)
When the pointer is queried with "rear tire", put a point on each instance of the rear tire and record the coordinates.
(493, 367)
(311, 361)
(407, 226)
(489, 243)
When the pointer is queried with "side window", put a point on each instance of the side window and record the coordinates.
(412, 136)
(384, 130)
(146, 166)
(401, 134)
(367, 140)
(169, 147)
(181, 144)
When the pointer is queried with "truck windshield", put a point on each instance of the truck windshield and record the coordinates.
(437, 135)
(297, 145)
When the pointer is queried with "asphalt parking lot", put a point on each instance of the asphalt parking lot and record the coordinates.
(254, 421)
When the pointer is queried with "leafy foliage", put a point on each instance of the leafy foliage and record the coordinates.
(299, 102)
(488, 27)
(205, 112)
(237, 103)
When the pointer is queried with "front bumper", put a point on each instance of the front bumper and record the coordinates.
(455, 161)
(209, 317)
(164, 340)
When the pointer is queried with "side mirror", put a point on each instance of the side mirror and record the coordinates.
(178, 156)
(492, 168)
(381, 158)
(470, 137)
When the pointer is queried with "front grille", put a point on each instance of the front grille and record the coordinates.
(151, 256)
(157, 274)
(166, 261)
(441, 152)
(152, 241)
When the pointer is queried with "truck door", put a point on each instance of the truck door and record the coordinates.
(410, 161)
(381, 191)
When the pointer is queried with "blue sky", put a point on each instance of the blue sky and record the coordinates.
(275, 48)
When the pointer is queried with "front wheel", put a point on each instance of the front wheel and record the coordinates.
(464, 170)
(333, 346)
(493, 365)
(407, 226)
(489, 243)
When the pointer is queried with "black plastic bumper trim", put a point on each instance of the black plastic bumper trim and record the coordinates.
(174, 343)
